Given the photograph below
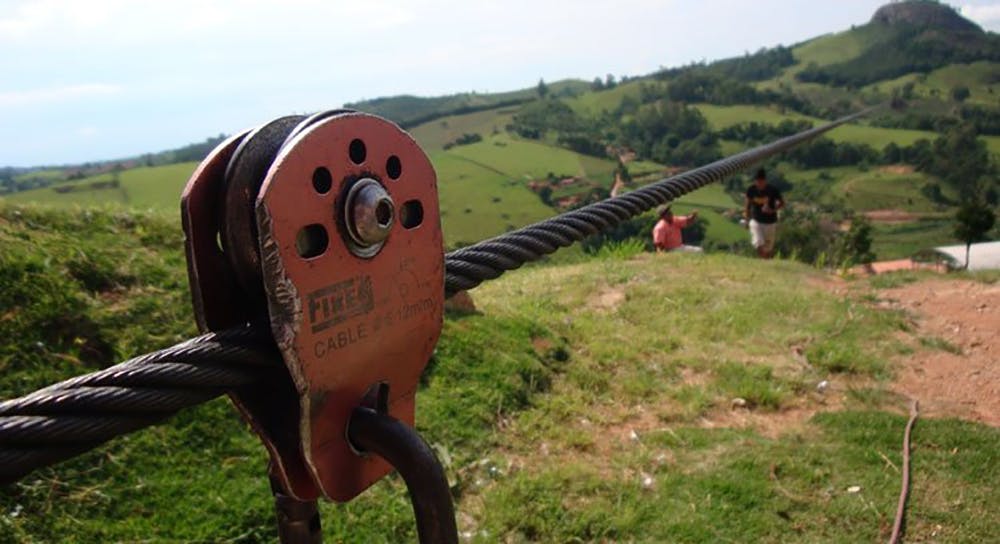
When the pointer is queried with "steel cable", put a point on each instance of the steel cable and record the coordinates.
(466, 268)
(77, 415)
(74, 416)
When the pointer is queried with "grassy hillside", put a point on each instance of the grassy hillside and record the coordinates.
(478, 202)
(594, 103)
(525, 160)
(978, 77)
(839, 47)
(585, 402)
(434, 135)
(157, 188)
(413, 110)
(720, 117)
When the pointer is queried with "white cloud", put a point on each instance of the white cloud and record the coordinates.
(987, 16)
(56, 94)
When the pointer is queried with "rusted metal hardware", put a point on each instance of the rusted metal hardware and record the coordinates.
(373, 431)
(298, 521)
(220, 302)
(349, 313)
(326, 229)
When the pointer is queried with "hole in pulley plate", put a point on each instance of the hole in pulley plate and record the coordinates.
(311, 241)
(412, 214)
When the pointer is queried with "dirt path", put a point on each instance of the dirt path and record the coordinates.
(960, 377)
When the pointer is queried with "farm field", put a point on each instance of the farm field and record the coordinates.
(720, 117)
(939, 83)
(993, 144)
(898, 241)
(478, 202)
(155, 188)
(593, 103)
(525, 160)
(433, 135)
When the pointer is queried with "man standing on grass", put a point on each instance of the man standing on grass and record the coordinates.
(667, 232)
(761, 213)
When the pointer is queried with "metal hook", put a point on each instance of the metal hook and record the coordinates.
(404, 449)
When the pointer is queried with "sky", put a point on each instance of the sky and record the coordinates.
(88, 80)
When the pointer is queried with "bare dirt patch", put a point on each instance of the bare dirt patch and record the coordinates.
(897, 169)
(891, 216)
(957, 372)
(607, 299)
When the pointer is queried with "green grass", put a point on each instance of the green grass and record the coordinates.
(716, 485)
(878, 137)
(838, 47)
(993, 144)
(713, 196)
(525, 160)
(478, 202)
(532, 400)
(879, 189)
(594, 103)
(49, 174)
(939, 83)
(156, 188)
(900, 241)
(720, 117)
(433, 136)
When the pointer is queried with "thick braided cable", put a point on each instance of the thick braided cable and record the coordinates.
(466, 268)
(77, 415)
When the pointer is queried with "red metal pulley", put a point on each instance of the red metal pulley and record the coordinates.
(352, 264)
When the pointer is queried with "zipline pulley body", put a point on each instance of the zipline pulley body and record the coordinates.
(344, 226)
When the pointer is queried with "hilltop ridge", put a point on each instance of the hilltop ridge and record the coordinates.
(923, 13)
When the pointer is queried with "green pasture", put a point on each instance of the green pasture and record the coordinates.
(879, 189)
(978, 77)
(433, 135)
(595, 102)
(478, 203)
(720, 117)
(904, 240)
(525, 160)
(156, 188)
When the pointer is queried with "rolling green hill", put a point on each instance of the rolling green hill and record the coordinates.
(410, 111)
(157, 188)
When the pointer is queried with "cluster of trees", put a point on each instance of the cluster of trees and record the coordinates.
(812, 237)
(764, 64)
(669, 133)
(985, 120)
(464, 139)
(662, 130)
(709, 86)
(754, 133)
(961, 160)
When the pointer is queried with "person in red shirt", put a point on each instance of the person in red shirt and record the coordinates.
(667, 232)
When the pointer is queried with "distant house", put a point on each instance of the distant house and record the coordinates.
(982, 256)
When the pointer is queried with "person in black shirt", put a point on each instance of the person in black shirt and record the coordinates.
(761, 213)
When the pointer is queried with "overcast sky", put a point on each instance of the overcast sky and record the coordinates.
(84, 80)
